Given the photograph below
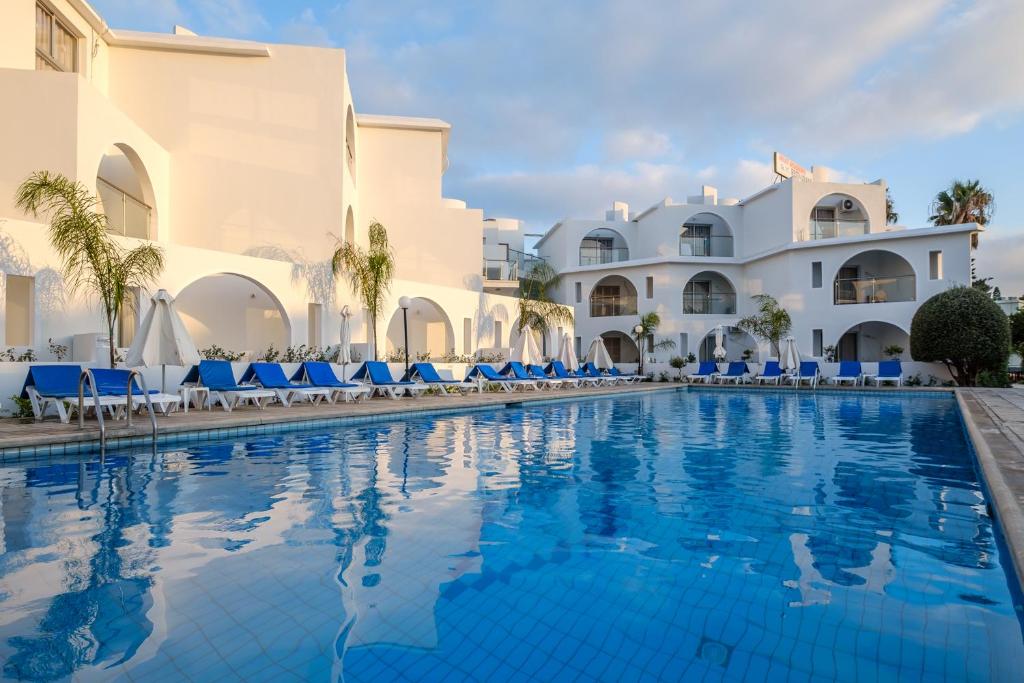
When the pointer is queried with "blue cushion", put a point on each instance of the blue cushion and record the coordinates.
(56, 381)
(849, 368)
(890, 368)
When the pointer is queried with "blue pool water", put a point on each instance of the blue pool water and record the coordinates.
(692, 535)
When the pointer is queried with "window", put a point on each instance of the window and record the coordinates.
(650, 343)
(19, 303)
(497, 333)
(128, 318)
(579, 292)
(467, 335)
(684, 344)
(579, 346)
(314, 324)
(56, 46)
(650, 286)
(817, 343)
(816, 275)
(935, 265)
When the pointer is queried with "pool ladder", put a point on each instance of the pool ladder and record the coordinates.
(133, 375)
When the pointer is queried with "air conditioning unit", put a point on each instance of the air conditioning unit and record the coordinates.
(846, 206)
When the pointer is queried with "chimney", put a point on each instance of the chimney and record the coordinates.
(708, 196)
(619, 212)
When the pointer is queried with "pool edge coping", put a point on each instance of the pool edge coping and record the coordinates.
(1008, 512)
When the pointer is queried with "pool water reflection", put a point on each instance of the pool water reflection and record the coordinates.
(704, 535)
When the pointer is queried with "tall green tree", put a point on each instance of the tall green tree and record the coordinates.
(771, 322)
(964, 201)
(648, 324)
(537, 307)
(369, 272)
(91, 259)
(891, 215)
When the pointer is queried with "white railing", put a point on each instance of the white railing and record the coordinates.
(126, 215)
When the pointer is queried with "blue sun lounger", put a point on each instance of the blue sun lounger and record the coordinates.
(271, 376)
(219, 379)
(52, 386)
(706, 372)
(428, 374)
(557, 368)
(486, 376)
(590, 371)
(320, 374)
(376, 374)
(516, 370)
(537, 373)
(771, 372)
(808, 372)
(736, 373)
(888, 371)
(113, 382)
(627, 379)
(849, 371)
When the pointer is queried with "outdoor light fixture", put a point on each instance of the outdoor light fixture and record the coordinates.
(404, 303)
(639, 330)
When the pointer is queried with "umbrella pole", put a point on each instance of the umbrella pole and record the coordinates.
(163, 378)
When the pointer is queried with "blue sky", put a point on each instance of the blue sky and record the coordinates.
(560, 108)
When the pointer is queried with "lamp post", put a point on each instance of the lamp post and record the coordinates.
(404, 304)
(639, 330)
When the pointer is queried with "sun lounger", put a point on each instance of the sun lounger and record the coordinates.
(706, 372)
(486, 376)
(557, 370)
(320, 374)
(808, 372)
(52, 386)
(271, 376)
(378, 376)
(624, 378)
(589, 370)
(537, 373)
(516, 370)
(219, 379)
(888, 371)
(849, 371)
(736, 373)
(427, 374)
(113, 382)
(771, 372)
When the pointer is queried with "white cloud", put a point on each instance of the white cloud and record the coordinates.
(1000, 253)
(231, 17)
(637, 143)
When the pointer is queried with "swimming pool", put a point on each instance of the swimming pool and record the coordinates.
(705, 535)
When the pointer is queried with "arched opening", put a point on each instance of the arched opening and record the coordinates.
(350, 141)
(350, 227)
(705, 234)
(738, 343)
(430, 331)
(875, 277)
(709, 293)
(125, 193)
(233, 312)
(621, 347)
(873, 341)
(603, 245)
(612, 295)
(837, 215)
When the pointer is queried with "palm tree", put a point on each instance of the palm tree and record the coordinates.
(537, 308)
(891, 215)
(369, 272)
(964, 202)
(648, 325)
(91, 259)
(771, 322)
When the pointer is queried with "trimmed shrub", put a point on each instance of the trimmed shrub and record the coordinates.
(1017, 328)
(964, 329)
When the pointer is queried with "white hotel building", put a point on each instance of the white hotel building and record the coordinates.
(245, 162)
(823, 249)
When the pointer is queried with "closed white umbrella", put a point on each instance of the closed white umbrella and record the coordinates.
(345, 343)
(790, 359)
(162, 339)
(525, 351)
(567, 353)
(719, 352)
(598, 354)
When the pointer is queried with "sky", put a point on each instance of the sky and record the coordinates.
(558, 109)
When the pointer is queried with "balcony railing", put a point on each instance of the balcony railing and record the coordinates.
(515, 265)
(126, 215)
(592, 256)
(709, 304)
(605, 306)
(716, 245)
(840, 227)
(875, 290)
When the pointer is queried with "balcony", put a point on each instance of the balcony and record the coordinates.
(718, 245)
(605, 306)
(126, 215)
(839, 227)
(594, 256)
(875, 290)
(709, 304)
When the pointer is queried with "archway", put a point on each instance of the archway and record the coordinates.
(621, 347)
(875, 277)
(837, 215)
(705, 234)
(736, 342)
(709, 293)
(603, 245)
(430, 330)
(126, 193)
(611, 296)
(350, 141)
(350, 227)
(873, 341)
(234, 312)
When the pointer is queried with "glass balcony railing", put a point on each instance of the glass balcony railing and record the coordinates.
(515, 265)
(709, 304)
(826, 229)
(716, 245)
(593, 256)
(125, 214)
(605, 306)
(875, 290)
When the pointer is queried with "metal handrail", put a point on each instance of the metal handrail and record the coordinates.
(141, 381)
(87, 375)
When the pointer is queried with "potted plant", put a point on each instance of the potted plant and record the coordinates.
(678, 362)
(894, 351)
(829, 352)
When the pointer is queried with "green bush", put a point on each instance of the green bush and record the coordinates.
(994, 378)
(964, 329)
(1017, 328)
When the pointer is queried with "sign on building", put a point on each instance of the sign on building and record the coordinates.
(787, 168)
